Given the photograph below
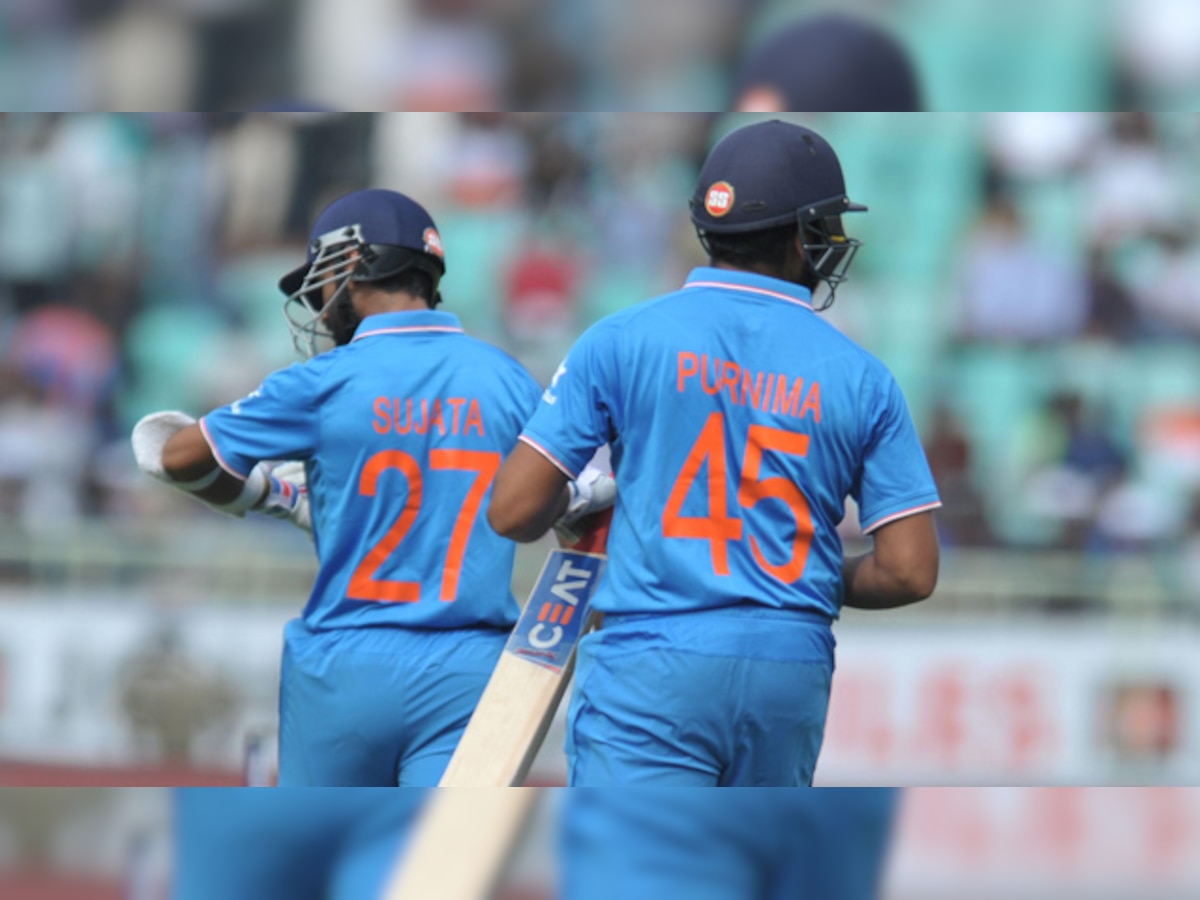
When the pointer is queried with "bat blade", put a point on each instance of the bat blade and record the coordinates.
(527, 685)
(462, 844)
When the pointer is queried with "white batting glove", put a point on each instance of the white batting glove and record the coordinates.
(150, 436)
(592, 492)
(287, 495)
(280, 492)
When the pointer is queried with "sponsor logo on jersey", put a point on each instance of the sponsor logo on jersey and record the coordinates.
(236, 406)
(719, 199)
(553, 620)
(548, 395)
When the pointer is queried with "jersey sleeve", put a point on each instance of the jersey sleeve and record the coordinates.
(276, 421)
(575, 413)
(895, 480)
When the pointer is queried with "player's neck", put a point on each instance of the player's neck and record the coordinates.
(759, 270)
(369, 302)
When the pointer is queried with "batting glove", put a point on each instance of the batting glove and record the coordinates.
(287, 495)
(280, 492)
(150, 436)
(592, 492)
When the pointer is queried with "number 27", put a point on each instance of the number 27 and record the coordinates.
(719, 528)
(364, 585)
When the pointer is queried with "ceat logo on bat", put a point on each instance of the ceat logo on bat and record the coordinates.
(551, 622)
(433, 243)
(719, 199)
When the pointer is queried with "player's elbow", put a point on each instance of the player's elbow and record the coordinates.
(907, 554)
(919, 584)
(509, 519)
(916, 579)
(527, 496)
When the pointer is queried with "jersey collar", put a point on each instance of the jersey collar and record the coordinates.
(749, 283)
(421, 321)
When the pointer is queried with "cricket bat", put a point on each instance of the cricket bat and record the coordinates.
(462, 844)
(465, 839)
(509, 723)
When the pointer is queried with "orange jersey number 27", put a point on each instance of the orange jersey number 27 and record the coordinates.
(364, 583)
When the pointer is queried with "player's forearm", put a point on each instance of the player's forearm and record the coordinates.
(527, 518)
(188, 459)
(870, 585)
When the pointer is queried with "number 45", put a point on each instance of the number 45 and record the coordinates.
(719, 528)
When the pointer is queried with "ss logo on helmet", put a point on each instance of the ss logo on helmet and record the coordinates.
(433, 242)
(719, 199)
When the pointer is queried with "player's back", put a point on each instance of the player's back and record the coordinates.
(743, 423)
(415, 418)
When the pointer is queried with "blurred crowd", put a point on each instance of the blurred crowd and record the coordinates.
(1032, 279)
(674, 55)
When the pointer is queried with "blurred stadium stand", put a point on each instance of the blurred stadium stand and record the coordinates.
(578, 54)
(1026, 276)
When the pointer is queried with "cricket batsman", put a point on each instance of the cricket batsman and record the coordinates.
(401, 422)
(739, 422)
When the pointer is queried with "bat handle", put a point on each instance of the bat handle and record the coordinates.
(589, 535)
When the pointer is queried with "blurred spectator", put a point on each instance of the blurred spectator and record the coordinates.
(1134, 515)
(1168, 440)
(1132, 184)
(36, 233)
(136, 39)
(828, 62)
(1150, 509)
(675, 56)
(332, 158)
(44, 447)
(139, 256)
(1170, 300)
(447, 64)
(488, 163)
(1158, 45)
(1075, 463)
(257, 156)
(539, 313)
(70, 354)
(1112, 313)
(43, 63)
(1012, 289)
(963, 520)
(171, 699)
(1189, 557)
(179, 211)
(1031, 145)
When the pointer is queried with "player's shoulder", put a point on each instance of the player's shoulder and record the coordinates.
(333, 364)
(309, 371)
(469, 345)
(837, 343)
(490, 356)
(641, 315)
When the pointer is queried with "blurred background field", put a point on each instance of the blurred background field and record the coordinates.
(983, 843)
(569, 54)
(1031, 279)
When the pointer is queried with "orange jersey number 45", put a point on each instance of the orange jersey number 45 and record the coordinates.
(719, 527)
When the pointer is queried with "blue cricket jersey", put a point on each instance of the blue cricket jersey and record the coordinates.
(402, 430)
(739, 422)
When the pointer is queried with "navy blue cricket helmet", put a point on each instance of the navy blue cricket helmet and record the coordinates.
(771, 174)
(368, 235)
(829, 62)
